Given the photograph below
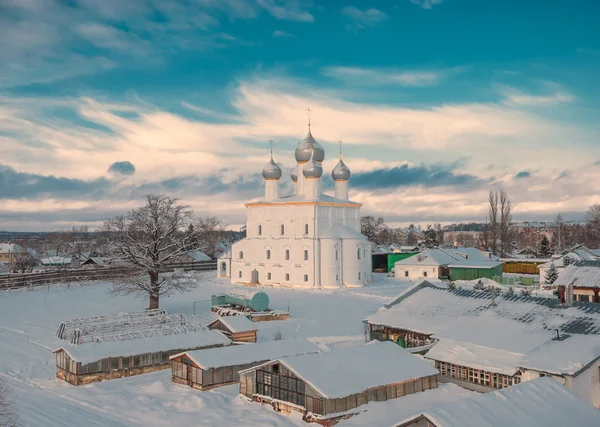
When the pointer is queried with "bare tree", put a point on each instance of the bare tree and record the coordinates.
(24, 262)
(376, 230)
(593, 224)
(493, 235)
(149, 237)
(210, 232)
(58, 242)
(9, 416)
(506, 232)
(558, 236)
(500, 218)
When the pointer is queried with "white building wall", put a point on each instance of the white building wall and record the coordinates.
(416, 272)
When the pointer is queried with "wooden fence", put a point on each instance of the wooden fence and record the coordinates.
(15, 280)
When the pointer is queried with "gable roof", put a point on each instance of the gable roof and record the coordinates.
(541, 402)
(463, 257)
(92, 352)
(585, 274)
(516, 323)
(347, 371)
(198, 256)
(249, 353)
(235, 323)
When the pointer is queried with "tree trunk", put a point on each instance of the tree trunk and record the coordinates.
(154, 290)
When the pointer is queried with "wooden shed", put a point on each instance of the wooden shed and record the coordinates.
(206, 369)
(338, 381)
(237, 328)
(91, 362)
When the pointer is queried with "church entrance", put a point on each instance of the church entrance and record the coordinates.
(254, 276)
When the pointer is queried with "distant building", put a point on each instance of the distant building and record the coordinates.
(567, 257)
(57, 261)
(582, 278)
(483, 342)
(10, 251)
(236, 328)
(537, 403)
(454, 264)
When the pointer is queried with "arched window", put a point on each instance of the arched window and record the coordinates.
(305, 228)
(223, 268)
(268, 254)
(358, 253)
(287, 276)
(241, 254)
(240, 274)
(287, 254)
(306, 277)
(337, 255)
(359, 275)
(259, 229)
(268, 276)
(282, 229)
(305, 255)
(364, 253)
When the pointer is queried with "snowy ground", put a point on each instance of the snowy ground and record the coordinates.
(29, 319)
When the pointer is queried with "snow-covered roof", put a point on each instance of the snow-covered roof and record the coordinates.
(542, 402)
(56, 260)
(236, 355)
(351, 370)
(95, 260)
(226, 253)
(92, 352)
(565, 357)
(198, 256)
(475, 356)
(581, 274)
(515, 323)
(578, 253)
(10, 248)
(463, 257)
(236, 323)
(341, 232)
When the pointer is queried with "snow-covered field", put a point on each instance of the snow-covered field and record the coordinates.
(29, 319)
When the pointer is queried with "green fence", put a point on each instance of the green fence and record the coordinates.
(515, 280)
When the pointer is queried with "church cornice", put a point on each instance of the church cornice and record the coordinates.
(348, 205)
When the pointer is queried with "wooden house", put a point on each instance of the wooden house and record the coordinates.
(218, 367)
(579, 281)
(91, 362)
(339, 381)
(236, 328)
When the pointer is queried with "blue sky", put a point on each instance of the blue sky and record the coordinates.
(437, 102)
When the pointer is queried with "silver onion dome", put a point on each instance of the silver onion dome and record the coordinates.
(271, 170)
(306, 147)
(294, 174)
(312, 169)
(341, 172)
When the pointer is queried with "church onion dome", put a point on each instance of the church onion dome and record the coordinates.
(306, 147)
(271, 171)
(341, 172)
(294, 174)
(312, 169)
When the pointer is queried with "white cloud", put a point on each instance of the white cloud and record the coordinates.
(282, 33)
(515, 97)
(367, 76)
(288, 10)
(426, 4)
(364, 18)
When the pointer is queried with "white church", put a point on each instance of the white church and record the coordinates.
(307, 239)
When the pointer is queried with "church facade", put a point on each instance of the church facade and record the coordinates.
(306, 239)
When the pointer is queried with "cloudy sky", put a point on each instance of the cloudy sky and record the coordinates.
(436, 101)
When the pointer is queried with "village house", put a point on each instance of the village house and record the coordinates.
(91, 362)
(333, 384)
(236, 328)
(385, 256)
(538, 403)
(207, 369)
(9, 252)
(484, 342)
(566, 258)
(452, 264)
(584, 279)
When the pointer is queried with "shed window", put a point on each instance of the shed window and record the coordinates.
(268, 254)
(306, 277)
(241, 254)
(287, 254)
(259, 230)
(305, 255)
